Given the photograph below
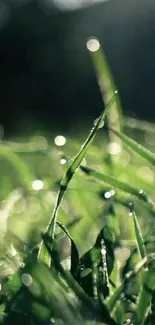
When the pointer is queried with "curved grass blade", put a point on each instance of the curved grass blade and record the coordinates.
(119, 185)
(139, 236)
(74, 251)
(43, 254)
(136, 147)
(144, 301)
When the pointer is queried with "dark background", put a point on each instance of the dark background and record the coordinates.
(46, 74)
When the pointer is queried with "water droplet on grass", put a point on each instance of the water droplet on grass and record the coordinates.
(101, 124)
(93, 44)
(63, 161)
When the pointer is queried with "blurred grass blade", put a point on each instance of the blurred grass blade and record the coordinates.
(23, 173)
(144, 301)
(136, 147)
(119, 185)
(43, 254)
(74, 251)
(105, 81)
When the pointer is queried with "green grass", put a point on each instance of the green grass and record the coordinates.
(77, 234)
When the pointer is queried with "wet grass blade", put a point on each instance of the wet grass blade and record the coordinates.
(139, 237)
(74, 251)
(106, 81)
(136, 147)
(119, 185)
(43, 254)
(144, 302)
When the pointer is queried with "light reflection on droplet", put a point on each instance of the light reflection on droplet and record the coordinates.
(101, 124)
(107, 195)
(114, 148)
(93, 45)
(103, 251)
(37, 185)
(63, 161)
(130, 214)
(60, 140)
(26, 279)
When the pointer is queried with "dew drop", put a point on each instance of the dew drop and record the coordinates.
(107, 195)
(101, 124)
(63, 161)
(93, 45)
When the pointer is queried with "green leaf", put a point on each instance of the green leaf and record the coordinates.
(119, 185)
(139, 237)
(100, 261)
(74, 251)
(107, 84)
(43, 254)
(144, 302)
(136, 147)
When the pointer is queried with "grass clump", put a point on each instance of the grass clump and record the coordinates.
(94, 263)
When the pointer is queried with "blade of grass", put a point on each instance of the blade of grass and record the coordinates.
(43, 254)
(136, 147)
(119, 185)
(144, 302)
(74, 251)
(105, 80)
(139, 236)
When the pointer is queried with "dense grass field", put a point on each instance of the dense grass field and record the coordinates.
(77, 220)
